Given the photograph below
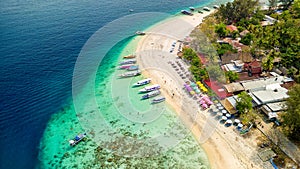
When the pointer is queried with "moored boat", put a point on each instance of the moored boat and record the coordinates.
(158, 100)
(130, 74)
(133, 67)
(128, 61)
(216, 7)
(126, 66)
(129, 57)
(191, 8)
(150, 88)
(186, 12)
(151, 94)
(77, 139)
(206, 8)
(142, 82)
(140, 33)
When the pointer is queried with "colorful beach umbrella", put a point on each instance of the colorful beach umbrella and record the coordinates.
(204, 106)
(202, 102)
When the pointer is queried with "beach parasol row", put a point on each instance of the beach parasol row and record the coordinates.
(189, 89)
(205, 102)
(202, 87)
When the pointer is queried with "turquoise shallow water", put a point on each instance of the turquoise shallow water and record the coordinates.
(40, 43)
(123, 131)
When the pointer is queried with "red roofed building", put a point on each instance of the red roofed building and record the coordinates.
(231, 28)
(253, 67)
(202, 58)
(217, 88)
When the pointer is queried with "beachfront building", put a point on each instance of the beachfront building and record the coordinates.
(253, 67)
(268, 94)
(235, 66)
(234, 88)
(231, 28)
(268, 20)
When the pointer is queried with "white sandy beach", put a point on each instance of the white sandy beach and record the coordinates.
(223, 145)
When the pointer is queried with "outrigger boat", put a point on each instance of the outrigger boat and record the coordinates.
(142, 82)
(151, 94)
(158, 100)
(130, 74)
(129, 57)
(140, 33)
(186, 12)
(216, 6)
(133, 67)
(150, 88)
(206, 8)
(128, 61)
(77, 139)
(125, 66)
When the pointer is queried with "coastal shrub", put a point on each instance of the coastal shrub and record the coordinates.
(224, 48)
(291, 119)
(189, 54)
(244, 103)
(221, 30)
(246, 40)
(232, 76)
(234, 11)
(235, 34)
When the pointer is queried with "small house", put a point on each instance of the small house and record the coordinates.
(253, 67)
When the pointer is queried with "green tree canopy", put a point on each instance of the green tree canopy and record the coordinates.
(244, 103)
(272, 4)
(221, 30)
(246, 40)
(286, 3)
(189, 54)
(232, 76)
(225, 47)
(291, 119)
(236, 10)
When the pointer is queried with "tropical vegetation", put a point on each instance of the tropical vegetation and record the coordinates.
(291, 118)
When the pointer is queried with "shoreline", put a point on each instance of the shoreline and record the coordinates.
(208, 147)
(153, 57)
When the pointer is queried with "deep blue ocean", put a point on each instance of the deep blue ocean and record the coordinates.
(40, 42)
